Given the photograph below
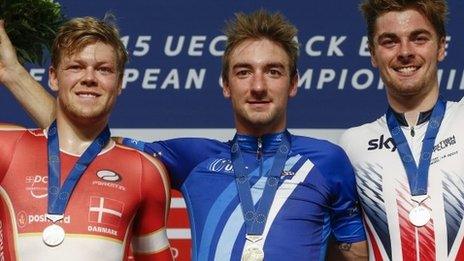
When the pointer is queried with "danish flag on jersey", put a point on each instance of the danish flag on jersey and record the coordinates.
(105, 211)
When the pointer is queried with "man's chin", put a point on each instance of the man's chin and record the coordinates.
(88, 117)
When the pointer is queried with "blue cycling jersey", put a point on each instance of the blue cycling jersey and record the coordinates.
(316, 195)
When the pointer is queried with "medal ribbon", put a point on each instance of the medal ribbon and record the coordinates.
(417, 176)
(255, 219)
(58, 196)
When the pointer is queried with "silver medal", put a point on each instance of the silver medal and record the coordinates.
(53, 235)
(253, 253)
(419, 216)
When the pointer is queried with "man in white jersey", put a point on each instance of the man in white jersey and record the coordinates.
(410, 162)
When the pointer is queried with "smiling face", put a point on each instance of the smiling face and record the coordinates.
(259, 85)
(87, 83)
(406, 49)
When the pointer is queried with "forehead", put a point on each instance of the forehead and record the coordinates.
(402, 22)
(258, 52)
(96, 52)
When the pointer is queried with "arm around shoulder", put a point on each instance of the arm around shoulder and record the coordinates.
(150, 240)
(9, 126)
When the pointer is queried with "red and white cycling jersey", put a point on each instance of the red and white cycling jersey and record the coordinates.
(122, 198)
(385, 195)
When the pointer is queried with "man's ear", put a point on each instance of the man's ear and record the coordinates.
(441, 49)
(372, 52)
(293, 86)
(53, 78)
(225, 88)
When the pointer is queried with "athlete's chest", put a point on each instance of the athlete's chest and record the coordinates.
(377, 153)
(213, 185)
(103, 202)
(385, 192)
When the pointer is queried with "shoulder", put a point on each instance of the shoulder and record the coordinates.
(190, 142)
(152, 169)
(315, 148)
(11, 133)
(183, 147)
(139, 156)
(359, 136)
(326, 156)
(455, 108)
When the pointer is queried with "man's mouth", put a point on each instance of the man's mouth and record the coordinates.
(87, 94)
(407, 70)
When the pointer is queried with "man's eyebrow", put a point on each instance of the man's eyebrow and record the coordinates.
(387, 35)
(277, 64)
(413, 33)
(421, 31)
(241, 65)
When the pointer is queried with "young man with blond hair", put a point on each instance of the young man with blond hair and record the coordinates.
(69, 192)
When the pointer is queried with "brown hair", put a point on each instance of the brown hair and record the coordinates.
(435, 11)
(77, 33)
(260, 24)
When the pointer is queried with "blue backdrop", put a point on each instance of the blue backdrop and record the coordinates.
(175, 47)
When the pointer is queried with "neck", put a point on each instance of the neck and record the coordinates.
(76, 137)
(413, 105)
(258, 132)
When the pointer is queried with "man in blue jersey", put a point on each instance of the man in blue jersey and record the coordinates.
(266, 194)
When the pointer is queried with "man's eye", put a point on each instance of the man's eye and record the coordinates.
(105, 69)
(242, 73)
(421, 39)
(74, 67)
(387, 42)
(275, 72)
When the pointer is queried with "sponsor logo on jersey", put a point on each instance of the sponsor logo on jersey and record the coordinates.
(450, 141)
(37, 186)
(21, 218)
(382, 143)
(105, 211)
(108, 179)
(221, 165)
(442, 149)
(108, 175)
(287, 173)
(24, 219)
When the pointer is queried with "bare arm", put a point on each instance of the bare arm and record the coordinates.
(347, 251)
(8, 126)
(35, 100)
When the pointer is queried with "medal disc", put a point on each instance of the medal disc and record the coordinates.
(419, 216)
(53, 235)
(253, 253)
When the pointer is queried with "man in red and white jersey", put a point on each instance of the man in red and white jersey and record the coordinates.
(410, 162)
(69, 191)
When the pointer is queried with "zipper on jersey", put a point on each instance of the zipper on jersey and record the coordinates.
(259, 149)
(259, 155)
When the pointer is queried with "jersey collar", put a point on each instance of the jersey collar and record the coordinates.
(423, 117)
(270, 142)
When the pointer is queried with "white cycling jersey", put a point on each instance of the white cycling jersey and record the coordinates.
(385, 195)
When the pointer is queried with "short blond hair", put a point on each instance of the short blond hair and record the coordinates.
(77, 33)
